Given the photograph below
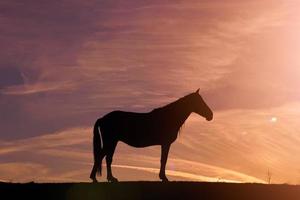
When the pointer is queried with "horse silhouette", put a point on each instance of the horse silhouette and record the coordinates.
(158, 127)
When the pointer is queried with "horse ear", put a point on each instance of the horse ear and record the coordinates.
(197, 91)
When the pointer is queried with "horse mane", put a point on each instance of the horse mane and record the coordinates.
(170, 105)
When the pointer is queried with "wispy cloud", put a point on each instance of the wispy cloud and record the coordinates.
(238, 146)
(153, 54)
(89, 58)
(38, 88)
(22, 172)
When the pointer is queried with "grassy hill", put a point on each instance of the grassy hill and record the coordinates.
(149, 190)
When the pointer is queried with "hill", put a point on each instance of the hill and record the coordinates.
(149, 190)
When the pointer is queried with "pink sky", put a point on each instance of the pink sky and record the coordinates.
(63, 64)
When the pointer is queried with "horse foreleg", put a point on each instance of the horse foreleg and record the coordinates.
(164, 156)
(109, 158)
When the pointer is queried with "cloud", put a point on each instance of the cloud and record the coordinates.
(72, 149)
(69, 68)
(21, 172)
(63, 138)
(237, 146)
(38, 88)
(91, 58)
(173, 173)
(10, 75)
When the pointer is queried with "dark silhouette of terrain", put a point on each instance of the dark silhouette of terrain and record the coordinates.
(158, 127)
(149, 190)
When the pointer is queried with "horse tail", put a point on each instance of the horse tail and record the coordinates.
(97, 145)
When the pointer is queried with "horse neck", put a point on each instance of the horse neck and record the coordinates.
(178, 112)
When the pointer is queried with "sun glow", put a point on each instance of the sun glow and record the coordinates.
(273, 119)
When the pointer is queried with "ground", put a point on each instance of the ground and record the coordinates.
(149, 190)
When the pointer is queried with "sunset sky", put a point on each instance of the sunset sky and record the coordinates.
(65, 63)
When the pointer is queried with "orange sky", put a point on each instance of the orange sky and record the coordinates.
(64, 64)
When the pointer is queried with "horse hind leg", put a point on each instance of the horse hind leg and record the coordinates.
(109, 158)
(97, 167)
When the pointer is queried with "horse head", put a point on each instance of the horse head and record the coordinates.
(200, 107)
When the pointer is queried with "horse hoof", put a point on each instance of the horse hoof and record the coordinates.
(94, 180)
(112, 179)
(164, 179)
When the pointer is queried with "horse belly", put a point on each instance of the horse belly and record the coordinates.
(139, 138)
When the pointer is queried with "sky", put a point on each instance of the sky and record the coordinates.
(64, 63)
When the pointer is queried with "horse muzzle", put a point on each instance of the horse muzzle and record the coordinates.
(209, 118)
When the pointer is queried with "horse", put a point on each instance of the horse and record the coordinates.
(157, 127)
